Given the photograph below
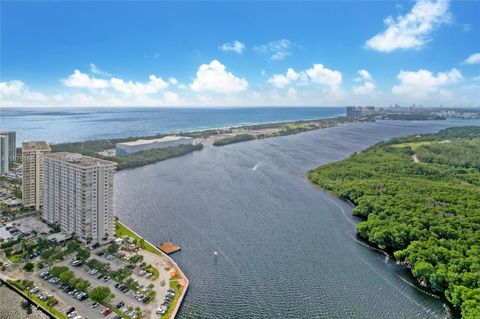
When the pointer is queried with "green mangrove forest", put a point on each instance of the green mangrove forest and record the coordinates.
(419, 198)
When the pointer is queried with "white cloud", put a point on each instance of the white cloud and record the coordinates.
(14, 87)
(473, 59)
(321, 75)
(17, 92)
(154, 85)
(173, 81)
(317, 74)
(235, 46)
(412, 30)
(82, 80)
(278, 49)
(364, 75)
(281, 80)
(214, 78)
(95, 70)
(423, 82)
(367, 86)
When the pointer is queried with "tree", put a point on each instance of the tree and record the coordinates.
(28, 266)
(83, 254)
(82, 285)
(112, 249)
(136, 259)
(55, 271)
(66, 276)
(100, 294)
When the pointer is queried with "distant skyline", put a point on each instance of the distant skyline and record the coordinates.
(316, 53)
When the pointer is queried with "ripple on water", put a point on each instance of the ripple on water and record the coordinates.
(285, 248)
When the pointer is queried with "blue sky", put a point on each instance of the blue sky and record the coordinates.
(239, 53)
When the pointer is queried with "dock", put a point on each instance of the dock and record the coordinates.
(168, 247)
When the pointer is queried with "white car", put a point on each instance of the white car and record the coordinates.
(72, 314)
(161, 311)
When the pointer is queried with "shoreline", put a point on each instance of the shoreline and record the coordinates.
(174, 264)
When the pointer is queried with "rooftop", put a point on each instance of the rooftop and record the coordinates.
(35, 145)
(79, 159)
(156, 140)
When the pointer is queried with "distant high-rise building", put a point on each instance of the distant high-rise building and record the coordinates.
(12, 144)
(33, 154)
(78, 193)
(351, 112)
(4, 156)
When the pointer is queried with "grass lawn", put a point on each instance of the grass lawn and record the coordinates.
(413, 145)
(122, 231)
(55, 312)
(15, 258)
(154, 272)
(174, 285)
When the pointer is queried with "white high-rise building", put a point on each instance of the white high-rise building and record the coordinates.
(32, 173)
(12, 144)
(4, 154)
(78, 195)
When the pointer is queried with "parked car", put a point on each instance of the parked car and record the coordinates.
(94, 305)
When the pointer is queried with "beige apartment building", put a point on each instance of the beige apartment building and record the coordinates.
(33, 154)
(78, 195)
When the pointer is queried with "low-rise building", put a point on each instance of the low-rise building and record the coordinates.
(129, 148)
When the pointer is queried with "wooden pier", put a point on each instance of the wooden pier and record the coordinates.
(168, 248)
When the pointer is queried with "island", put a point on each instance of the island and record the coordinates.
(419, 199)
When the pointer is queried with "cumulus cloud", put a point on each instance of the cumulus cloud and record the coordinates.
(19, 93)
(82, 80)
(473, 59)
(278, 49)
(283, 80)
(14, 87)
(411, 31)
(423, 82)
(367, 85)
(317, 74)
(154, 85)
(234, 46)
(213, 77)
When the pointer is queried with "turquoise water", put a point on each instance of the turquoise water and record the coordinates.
(58, 125)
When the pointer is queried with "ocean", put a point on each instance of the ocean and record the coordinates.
(57, 125)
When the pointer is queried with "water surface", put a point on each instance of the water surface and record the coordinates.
(285, 248)
(57, 125)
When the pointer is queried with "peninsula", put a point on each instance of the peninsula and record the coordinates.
(419, 199)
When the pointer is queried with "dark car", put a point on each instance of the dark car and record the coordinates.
(70, 310)
(120, 304)
(100, 253)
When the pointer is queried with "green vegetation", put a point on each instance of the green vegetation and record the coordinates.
(67, 276)
(28, 267)
(101, 294)
(122, 231)
(24, 285)
(91, 148)
(153, 156)
(234, 139)
(427, 213)
(174, 284)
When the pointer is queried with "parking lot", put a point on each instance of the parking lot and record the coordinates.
(24, 225)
